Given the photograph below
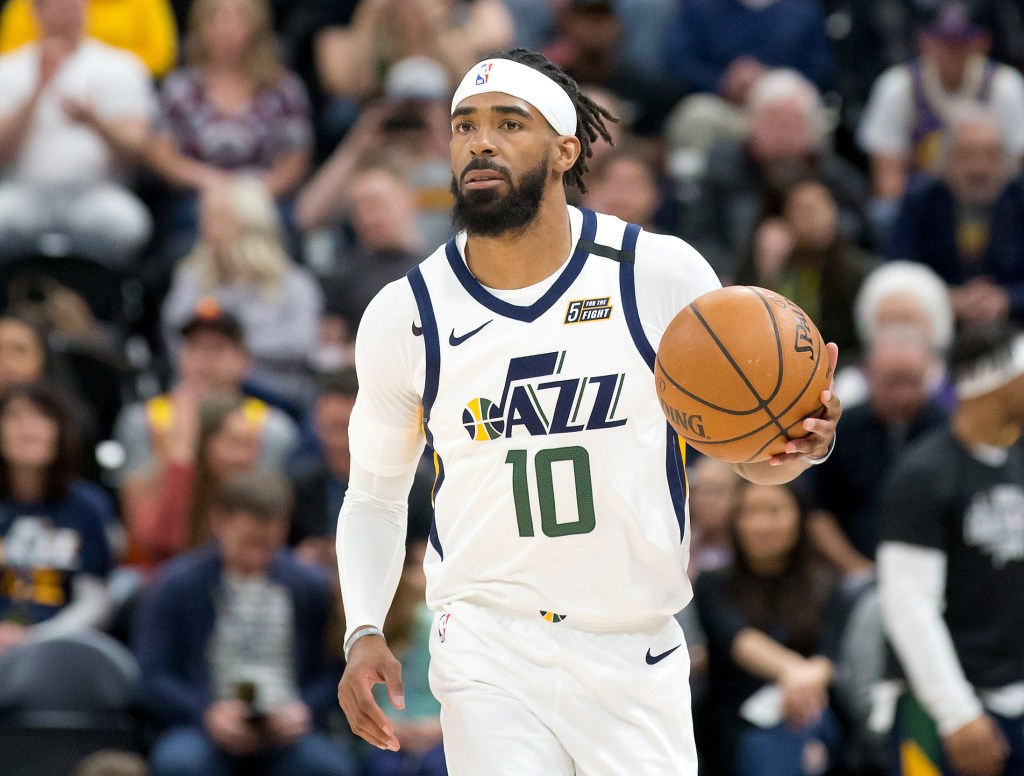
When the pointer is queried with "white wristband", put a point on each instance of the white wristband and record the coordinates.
(816, 461)
(369, 630)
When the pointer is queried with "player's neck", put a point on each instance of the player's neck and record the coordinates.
(527, 256)
(978, 423)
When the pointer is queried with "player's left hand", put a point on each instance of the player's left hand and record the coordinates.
(821, 428)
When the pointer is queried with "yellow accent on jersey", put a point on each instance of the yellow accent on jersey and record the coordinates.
(914, 762)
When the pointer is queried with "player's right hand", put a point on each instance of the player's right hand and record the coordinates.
(370, 662)
(978, 748)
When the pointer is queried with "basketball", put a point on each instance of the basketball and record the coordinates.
(738, 370)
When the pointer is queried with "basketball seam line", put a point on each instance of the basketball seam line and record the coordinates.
(728, 355)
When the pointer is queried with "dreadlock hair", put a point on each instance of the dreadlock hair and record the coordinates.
(590, 116)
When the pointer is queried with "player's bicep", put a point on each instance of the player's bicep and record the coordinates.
(386, 429)
(670, 274)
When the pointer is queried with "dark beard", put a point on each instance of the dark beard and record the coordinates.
(489, 214)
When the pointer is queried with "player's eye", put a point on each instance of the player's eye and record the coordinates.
(462, 126)
(511, 124)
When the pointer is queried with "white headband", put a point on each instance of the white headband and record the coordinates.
(508, 77)
(993, 373)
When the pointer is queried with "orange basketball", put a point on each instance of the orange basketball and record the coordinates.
(738, 370)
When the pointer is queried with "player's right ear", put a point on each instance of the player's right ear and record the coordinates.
(567, 150)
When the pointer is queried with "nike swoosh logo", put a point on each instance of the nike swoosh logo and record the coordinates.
(417, 331)
(456, 341)
(652, 659)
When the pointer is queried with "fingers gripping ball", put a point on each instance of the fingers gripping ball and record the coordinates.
(738, 370)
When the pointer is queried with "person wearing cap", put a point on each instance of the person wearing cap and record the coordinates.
(213, 359)
(522, 353)
(951, 570)
(911, 104)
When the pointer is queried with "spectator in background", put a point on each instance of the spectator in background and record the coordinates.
(624, 182)
(951, 570)
(713, 497)
(144, 27)
(233, 111)
(73, 113)
(53, 526)
(212, 360)
(408, 629)
(354, 59)
(167, 508)
(899, 366)
(388, 242)
(721, 48)
(231, 642)
(411, 124)
(770, 619)
(22, 353)
(905, 295)
(320, 481)
(811, 262)
(744, 178)
(240, 263)
(968, 225)
(589, 46)
(912, 104)
(724, 47)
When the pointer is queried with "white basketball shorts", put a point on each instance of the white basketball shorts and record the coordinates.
(522, 696)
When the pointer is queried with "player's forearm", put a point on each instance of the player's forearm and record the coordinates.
(911, 588)
(371, 551)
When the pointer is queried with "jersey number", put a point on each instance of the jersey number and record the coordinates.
(580, 459)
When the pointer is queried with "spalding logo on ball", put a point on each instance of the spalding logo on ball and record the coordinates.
(738, 370)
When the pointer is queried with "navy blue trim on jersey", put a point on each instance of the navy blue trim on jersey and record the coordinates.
(627, 286)
(552, 295)
(432, 346)
(676, 472)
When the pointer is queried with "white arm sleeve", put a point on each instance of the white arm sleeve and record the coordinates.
(386, 441)
(911, 581)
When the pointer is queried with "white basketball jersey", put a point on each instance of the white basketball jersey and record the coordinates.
(560, 487)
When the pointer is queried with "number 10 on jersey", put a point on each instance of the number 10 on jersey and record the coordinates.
(543, 463)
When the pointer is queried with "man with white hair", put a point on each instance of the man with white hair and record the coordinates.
(968, 225)
(912, 104)
(787, 140)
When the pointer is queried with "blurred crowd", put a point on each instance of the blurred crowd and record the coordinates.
(198, 199)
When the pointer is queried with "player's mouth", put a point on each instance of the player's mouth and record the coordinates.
(482, 179)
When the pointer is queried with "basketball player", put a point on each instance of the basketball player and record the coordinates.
(951, 570)
(521, 352)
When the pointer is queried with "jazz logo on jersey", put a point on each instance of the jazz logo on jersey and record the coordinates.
(583, 310)
(536, 399)
(484, 74)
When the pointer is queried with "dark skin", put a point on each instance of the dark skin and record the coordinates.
(514, 135)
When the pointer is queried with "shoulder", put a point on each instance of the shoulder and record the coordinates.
(111, 59)
(390, 313)
(299, 577)
(185, 571)
(181, 84)
(1007, 78)
(672, 269)
(927, 458)
(894, 81)
(92, 497)
(21, 60)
